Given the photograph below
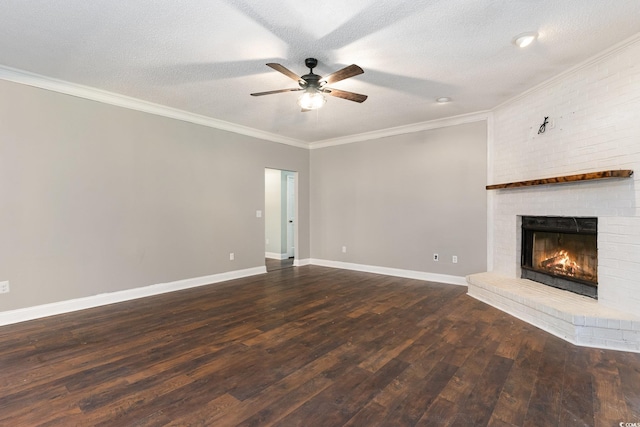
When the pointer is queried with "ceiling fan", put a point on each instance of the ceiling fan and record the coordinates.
(314, 86)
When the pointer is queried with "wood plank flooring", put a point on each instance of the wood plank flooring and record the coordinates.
(276, 264)
(308, 346)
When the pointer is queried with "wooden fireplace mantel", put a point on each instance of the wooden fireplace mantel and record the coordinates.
(623, 173)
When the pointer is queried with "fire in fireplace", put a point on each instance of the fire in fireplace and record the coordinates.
(561, 252)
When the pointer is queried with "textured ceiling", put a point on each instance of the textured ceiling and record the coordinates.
(207, 56)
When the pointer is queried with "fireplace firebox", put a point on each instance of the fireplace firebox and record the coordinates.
(561, 252)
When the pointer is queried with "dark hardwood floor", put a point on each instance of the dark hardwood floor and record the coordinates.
(308, 346)
(276, 264)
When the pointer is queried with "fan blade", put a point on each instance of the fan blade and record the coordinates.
(351, 96)
(345, 73)
(275, 91)
(285, 71)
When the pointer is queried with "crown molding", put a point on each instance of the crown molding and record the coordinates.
(86, 92)
(81, 91)
(601, 56)
(61, 86)
(401, 130)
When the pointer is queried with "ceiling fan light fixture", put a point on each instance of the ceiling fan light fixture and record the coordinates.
(525, 39)
(311, 100)
(314, 86)
(443, 100)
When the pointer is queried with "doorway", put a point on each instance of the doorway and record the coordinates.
(280, 218)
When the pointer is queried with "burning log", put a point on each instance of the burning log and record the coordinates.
(560, 263)
(553, 261)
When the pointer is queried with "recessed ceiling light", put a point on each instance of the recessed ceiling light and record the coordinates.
(443, 100)
(525, 39)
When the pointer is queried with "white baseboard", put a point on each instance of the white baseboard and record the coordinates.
(275, 255)
(52, 309)
(45, 310)
(408, 274)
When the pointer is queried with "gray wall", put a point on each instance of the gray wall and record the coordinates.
(394, 202)
(96, 198)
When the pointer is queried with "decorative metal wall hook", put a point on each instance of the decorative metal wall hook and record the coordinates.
(543, 126)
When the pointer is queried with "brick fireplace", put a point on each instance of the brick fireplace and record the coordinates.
(595, 110)
(582, 320)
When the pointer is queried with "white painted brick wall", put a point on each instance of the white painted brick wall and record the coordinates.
(596, 113)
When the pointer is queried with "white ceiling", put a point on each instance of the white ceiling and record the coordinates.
(207, 56)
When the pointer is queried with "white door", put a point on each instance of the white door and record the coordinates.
(291, 215)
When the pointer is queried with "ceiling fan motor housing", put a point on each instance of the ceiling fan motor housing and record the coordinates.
(310, 80)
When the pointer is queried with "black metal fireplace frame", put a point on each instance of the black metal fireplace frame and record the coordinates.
(568, 225)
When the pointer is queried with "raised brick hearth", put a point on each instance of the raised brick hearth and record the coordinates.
(575, 318)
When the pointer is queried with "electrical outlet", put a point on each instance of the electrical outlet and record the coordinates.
(4, 287)
(232, 256)
(344, 249)
(436, 257)
(454, 259)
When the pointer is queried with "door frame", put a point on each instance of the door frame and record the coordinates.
(283, 197)
(292, 219)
